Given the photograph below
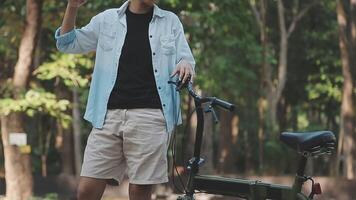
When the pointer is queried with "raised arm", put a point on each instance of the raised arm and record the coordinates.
(70, 15)
(72, 40)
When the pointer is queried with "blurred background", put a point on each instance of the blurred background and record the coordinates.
(288, 65)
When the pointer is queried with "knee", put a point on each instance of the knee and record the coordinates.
(82, 193)
(85, 192)
(90, 189)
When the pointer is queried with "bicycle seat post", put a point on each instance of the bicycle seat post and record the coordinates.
(300, 178)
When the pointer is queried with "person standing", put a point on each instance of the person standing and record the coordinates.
(133, 110)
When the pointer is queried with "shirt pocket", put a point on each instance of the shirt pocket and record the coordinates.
(107, 37)
(168, 45)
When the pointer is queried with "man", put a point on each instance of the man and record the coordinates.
(132, 108)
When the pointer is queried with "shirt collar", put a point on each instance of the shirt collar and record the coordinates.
(156, 10)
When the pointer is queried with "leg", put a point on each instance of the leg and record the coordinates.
(140, 192)
(145, 147)
(103, 157)
(90, 188)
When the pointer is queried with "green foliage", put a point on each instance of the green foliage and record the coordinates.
(225, 41)
(314, 83)
(224, 45)
(275, 152)
(326, 88)
(35, 101)
(66, 67)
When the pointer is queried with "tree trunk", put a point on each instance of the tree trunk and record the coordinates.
(261, 134)
(249, 167)
(77, 133)
(28, 45)
(44, 165)
(66, 150)
(227, 160)
(353, 26)
(274, 85)
(64, 138)
(276, 93)
(266, 76)
(353, 61)
(19, 181)
(207, 144)
(17, 166)
(346, 141)
(271, 92)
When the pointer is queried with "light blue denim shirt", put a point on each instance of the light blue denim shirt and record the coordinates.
(105, 34)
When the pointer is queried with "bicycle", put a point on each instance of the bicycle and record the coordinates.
(310, 144)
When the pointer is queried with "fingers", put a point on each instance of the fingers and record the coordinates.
(189, 73)
(192, 77)
(186, 75)
(182, 74)
(174, 72)
(184, 71)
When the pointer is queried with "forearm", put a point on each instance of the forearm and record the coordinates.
(69, 19)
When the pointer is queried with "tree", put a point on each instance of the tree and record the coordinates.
(346, 136)
(273, 84)
(260, 12)
(65, 71)
(18, 173)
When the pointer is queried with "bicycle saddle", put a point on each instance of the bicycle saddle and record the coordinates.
(310, 143)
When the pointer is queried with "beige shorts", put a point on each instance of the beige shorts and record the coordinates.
(132, 142)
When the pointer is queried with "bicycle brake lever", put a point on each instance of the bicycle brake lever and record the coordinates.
(216, 120)
(211, 109)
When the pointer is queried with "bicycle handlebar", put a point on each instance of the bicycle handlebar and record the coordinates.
(213, 100)
(224, 104)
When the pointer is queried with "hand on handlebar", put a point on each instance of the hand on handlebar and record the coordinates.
(213, 100)
(184, 70)
(179, 84)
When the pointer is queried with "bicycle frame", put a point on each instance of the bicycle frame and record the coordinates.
(248, 189)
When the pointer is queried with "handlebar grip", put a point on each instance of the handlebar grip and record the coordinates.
(224, 104)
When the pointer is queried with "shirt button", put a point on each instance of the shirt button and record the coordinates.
(154, 53)
(164, 105)
(155, 70)
(159, 88)
(150, 36)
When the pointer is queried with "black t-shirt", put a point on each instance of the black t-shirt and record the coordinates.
(135, 85)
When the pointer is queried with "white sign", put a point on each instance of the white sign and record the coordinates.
(18, 139)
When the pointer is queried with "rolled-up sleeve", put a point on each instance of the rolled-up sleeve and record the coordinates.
(183, 50)
(65, 38)
(80, 40)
